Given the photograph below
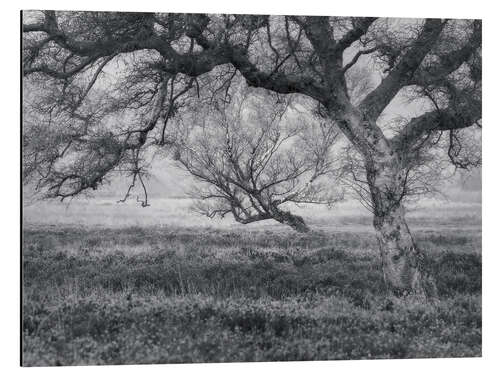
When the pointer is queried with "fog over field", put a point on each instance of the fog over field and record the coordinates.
(235, 188)
(168, 189)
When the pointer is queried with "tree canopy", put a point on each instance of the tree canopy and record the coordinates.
(104, 89)
(108, 83)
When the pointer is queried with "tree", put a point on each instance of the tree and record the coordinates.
(254, 155)
(167, 60)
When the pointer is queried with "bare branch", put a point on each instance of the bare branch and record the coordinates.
(401, 75)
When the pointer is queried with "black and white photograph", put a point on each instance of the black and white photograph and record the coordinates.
(230, 187)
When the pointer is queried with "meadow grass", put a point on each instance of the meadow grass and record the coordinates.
(184, 291)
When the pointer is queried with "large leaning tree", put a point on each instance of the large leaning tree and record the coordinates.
(100, 89)
(255, 157)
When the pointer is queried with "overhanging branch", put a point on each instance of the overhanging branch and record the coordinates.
(376, 101)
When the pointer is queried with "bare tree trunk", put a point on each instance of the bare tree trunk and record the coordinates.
(400, 255)
(294, 221)
(401, 258)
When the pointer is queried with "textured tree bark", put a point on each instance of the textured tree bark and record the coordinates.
(294, 221)
(401, 258)
(400, 255)
(386, 178)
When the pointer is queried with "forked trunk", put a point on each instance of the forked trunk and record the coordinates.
(386, 175)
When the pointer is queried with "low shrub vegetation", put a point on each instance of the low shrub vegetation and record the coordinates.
(166, 295)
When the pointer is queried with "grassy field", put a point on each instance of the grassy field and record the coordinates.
(120, 284)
